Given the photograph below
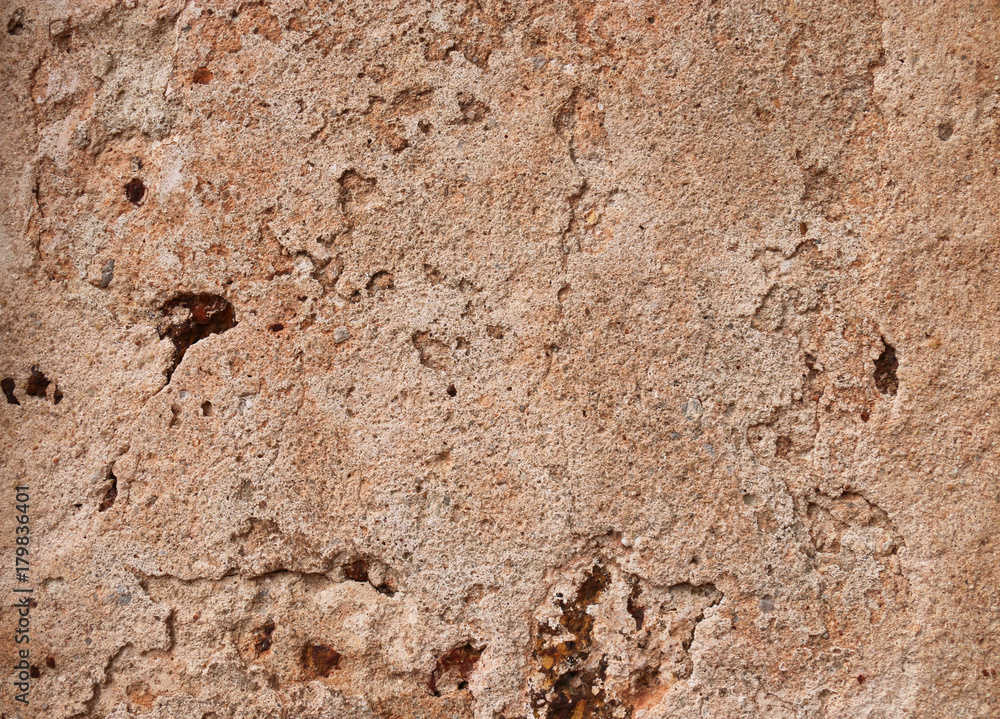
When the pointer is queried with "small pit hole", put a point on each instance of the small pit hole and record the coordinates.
(37, 383)
(885, 370)
(15, 26)
(276, 327)
(7, 384)
(452, 391)
(111, 495)
(357, 571)
(135, 190)
(264, 641)
(206, 409)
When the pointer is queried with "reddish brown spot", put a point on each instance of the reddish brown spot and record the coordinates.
(865, 416)
(319, 659)
(37, 383)
(50, 662)
(206, 315)
(862, 678)
(574, 691)
(456, 664)
(135, 190)
(202, 76)
(357, 570)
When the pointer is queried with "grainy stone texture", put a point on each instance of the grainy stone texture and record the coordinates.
(495, 360)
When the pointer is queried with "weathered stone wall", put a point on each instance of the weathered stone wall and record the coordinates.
(502, 359)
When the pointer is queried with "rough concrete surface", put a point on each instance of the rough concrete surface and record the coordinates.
(501, 359)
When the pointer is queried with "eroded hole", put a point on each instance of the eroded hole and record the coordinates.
(357, 571)
(189, 318)
(452, 391)
(15, 26)
(471, 109)
(111, 495)
(319, 659)
(202, 76)
(263, 642)
(206, 409)
(135, 190)
(945, 130)
(885, 370)
(7, 385)
(637, 611)
(453, 669)
(37, 383)
(276, 327)
(380, 282)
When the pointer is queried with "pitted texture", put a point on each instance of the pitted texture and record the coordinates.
(496, 359)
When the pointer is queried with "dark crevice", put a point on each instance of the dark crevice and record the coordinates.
(264, 641)
(15, 25)
(358, 571)
(7, 384)
(189, 318)
(111, 495)
(885, 370)
(37, 383)
(637, 611)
